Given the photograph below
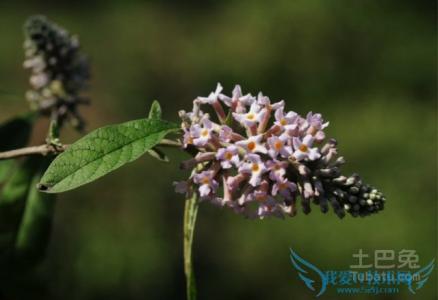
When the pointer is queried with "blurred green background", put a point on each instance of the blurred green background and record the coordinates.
(368, 66)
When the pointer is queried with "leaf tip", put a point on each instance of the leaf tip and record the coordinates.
(155, 110)
(43, 187)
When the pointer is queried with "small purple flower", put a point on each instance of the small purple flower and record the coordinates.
(314, 124)
(255, 167)
(303, 148)
(278, 146)
(316, 121)
(237, 101)
(269, 208)
(253, 144)
(284, 187)
(187, 138)
(265, 101)
(225, 134)
(228, 156)
(277, 169)
(282, 119)
(291, 130)
(213, 97)
(252, 117)
(207, 183)
(196, 115)
(202, 135)
(261, 193)
(213, 100)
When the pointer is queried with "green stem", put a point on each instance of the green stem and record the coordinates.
(190, 213)
(53, 133)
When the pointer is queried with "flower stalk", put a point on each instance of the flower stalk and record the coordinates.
(190, 214)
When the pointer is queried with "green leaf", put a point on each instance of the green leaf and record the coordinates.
(155, 111)
(35, 228)
(14, 133)
(12, 201)
(25, 216)
(103, 151)
(6, 167)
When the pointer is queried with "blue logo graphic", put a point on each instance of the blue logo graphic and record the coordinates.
(423, 274)
(305, 269)
(352, 282)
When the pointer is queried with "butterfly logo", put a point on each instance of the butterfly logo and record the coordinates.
(307, 271)
(422, 275)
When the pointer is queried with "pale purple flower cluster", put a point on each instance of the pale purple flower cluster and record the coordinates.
(59, 71)
(257, 157)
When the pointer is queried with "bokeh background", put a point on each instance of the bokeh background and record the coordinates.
(368, 66)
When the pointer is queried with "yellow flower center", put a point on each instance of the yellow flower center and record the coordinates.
(255, 167)
(278, 145)
(283, 121)
(205, 180)
(250, 116)
(303, 148)
(251, 146)
(228, 156)
(204, 133)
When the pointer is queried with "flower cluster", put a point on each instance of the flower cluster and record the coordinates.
(258, 159)
(59, 71)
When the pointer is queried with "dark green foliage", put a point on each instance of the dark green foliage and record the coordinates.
(14, 134)
(35, 227)
(13, 202)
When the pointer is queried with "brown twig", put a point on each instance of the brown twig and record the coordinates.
(33, 150)
(53, 149)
